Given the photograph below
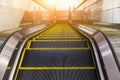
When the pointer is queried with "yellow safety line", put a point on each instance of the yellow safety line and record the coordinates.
(49, 68)
(88, 44)
(59, 37)
(57, 40)
(28, 44)
(95, 65)
(16, 74)
(19, 66)
(93, 58)
(22, 58)
(8, 68)
(40, 35)
(34, 38)
(57, 68)
(16, 48)
(58, 48)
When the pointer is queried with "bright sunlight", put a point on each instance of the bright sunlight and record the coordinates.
(51, 2)
(62, 4)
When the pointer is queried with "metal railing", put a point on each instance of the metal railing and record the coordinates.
(11, 43)
(106, 51)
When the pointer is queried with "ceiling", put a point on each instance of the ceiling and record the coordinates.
(60, 4)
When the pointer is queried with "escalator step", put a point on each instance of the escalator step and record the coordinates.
(59, 44)
(57, 75)
(59, 53)
(59, 58)
(60, 38)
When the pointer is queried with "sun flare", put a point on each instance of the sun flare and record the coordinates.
(61, 4)
(51, 2)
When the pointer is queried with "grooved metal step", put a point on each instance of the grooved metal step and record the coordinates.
(59, 44)
(62, 35)
(59, 53)
(61, 58)
(60, 38)
(57, 75)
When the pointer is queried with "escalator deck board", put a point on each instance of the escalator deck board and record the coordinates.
(57, 58)
(59, 44)
(57, 75)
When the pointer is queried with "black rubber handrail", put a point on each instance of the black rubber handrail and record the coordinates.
(11, 42)
(105, 49)
(3, 44)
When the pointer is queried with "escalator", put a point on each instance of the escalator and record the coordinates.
(59, 53)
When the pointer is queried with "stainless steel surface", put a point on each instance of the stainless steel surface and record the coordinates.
(113, 34)
(19, 53)
(10, 45)
(114, 37)
(88, 30)
(96, 56)
(7, 51)
(20, 50)
(107, 56)
(111, 67)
